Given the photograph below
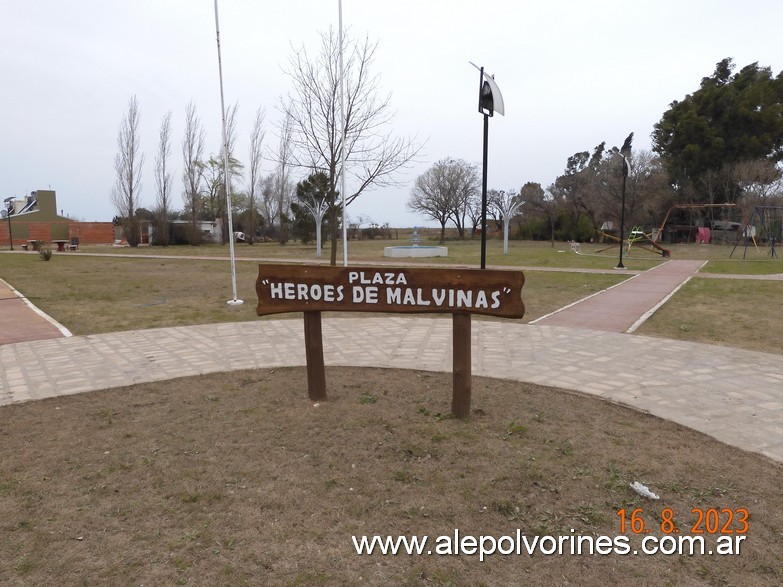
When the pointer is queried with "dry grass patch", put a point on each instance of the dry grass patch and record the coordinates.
(739, 313)
(236, 478)
(91, 295)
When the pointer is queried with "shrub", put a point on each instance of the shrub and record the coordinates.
(44, 251)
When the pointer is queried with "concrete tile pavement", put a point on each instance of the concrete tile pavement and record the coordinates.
(733, 395)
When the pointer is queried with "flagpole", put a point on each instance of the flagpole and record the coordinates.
(342, 134)
(226, 179)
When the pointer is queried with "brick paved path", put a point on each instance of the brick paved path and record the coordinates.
(623, 307)
(21, 321)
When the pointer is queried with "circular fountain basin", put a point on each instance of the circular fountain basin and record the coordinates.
(416, 251)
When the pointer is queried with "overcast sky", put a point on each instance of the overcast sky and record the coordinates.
(572, 74)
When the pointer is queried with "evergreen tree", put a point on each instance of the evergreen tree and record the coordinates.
(730, 120)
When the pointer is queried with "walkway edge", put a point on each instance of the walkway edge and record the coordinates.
(577, 302)
(63, 330)
(644, 317)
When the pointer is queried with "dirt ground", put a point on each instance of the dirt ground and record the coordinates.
(238, 479)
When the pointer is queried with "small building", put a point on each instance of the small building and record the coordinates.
(35, 218)
(210, 230)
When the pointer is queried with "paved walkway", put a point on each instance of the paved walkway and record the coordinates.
(731, 394)
(624, 307)
(20, 320)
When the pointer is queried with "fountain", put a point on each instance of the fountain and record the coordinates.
(416, 250)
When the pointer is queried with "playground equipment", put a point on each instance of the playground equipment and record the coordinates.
(705, 235)
(637, 237)
(770, 220)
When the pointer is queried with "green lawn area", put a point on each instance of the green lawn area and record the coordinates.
(95, 291)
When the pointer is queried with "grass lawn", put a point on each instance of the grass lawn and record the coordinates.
(93, 294)
(460, 252)
(740, 313)
(237, 479)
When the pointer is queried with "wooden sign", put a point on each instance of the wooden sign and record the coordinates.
(318, 288)
(313, 289)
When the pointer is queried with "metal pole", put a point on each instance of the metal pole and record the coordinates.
(622, 213)
(342, 135)
(8, 214)
(226, 178)
(484, 197)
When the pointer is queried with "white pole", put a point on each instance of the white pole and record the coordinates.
(342, 142)
(226, 178)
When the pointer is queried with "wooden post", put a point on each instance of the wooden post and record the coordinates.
(313, 289)
(314, 351)
(460, 400)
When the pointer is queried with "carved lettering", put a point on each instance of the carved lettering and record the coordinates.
(291, 288)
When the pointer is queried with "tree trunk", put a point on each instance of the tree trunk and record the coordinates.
(333, 230)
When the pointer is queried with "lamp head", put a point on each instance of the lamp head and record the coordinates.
(490, 98)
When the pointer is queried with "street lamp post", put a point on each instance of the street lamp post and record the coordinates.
(7, 203)
(484, 186)
(625, 149)
(622, 211)
(490, 101)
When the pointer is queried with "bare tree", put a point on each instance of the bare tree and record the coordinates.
(465, 193)
(649, 193)
(128, 163)
(443, 192)
(234, 170)
(474, 214)
(267, 205)
(371, 153)
(213, 176)
(760, 180)
(278, 187)
(213, 205)
(254, 177)
(163, 182)
(192, 154)
(212, 188)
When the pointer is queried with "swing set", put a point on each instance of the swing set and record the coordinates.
(716, 231)
(770, 221)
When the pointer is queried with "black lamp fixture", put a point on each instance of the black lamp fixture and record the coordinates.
(490, 101)
(7, 203)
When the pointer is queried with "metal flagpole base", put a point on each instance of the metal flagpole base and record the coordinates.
(235, 302)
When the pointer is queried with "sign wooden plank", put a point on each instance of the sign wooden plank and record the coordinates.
(461, 380)
(314, 353)
(320, 288)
